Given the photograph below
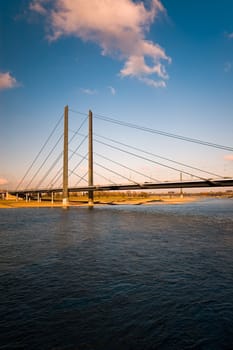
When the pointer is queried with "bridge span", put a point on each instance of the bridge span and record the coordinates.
(216, 181)
(129, 187)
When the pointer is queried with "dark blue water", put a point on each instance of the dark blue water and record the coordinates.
(117, 277)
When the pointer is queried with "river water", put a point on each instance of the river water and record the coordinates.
(117, 277)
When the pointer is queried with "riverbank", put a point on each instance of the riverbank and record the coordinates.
(128, 201)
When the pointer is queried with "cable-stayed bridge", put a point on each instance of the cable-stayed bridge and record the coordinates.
(76, 159)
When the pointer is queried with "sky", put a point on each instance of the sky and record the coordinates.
(162, 64)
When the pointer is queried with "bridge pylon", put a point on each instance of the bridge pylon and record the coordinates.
(90, 159)
(65, 193)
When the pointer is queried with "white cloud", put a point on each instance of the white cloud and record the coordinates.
(227, 67)
(38, 6)
(154, 83)
(229, 157)
(89, 91)
(7, 81)
(230, 35)
(118, 27)
(112, 90)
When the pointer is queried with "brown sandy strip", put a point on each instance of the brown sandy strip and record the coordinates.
(47, 204)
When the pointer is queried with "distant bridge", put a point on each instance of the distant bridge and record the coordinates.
(200, 181)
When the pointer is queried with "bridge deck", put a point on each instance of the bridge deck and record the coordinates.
(135, 186)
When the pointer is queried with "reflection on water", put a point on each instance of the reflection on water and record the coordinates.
(122, 277)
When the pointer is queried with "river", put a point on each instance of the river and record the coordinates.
(117, 277)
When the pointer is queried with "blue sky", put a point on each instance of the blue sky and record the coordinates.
(167, 65)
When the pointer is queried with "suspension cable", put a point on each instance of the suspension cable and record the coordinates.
(163, 133)
(60, 170)
(105, 178)
(81, 178)
(157, 156)
(74, 173)
(77, 165)
(81, 161)
(49, 170)
(126, 167)
(149, 160)
(39, 153)
(44, 161)
(112, 171)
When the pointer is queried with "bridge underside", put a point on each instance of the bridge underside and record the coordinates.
(135, 186)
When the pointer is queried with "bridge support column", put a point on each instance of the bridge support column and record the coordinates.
(181, 189)
(90, 160)
(38, 197)
(52, 198)
(65, 199)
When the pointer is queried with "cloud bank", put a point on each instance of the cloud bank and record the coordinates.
(118, 27)
(228, 157)
(7, 81)
(88, 91)
(3, 181)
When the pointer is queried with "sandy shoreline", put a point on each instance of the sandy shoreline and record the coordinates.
(46, 204)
